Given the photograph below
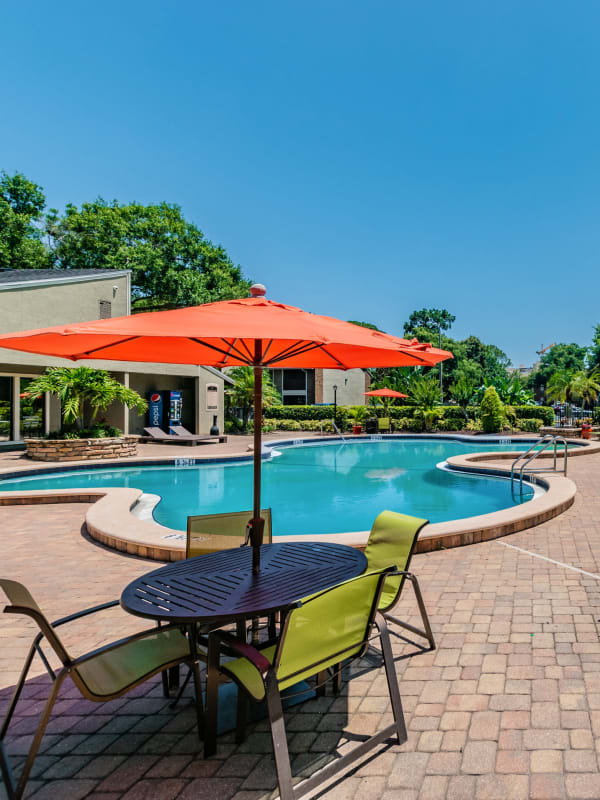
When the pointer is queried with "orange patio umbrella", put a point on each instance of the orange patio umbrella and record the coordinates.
(251, 331)
(384, 393)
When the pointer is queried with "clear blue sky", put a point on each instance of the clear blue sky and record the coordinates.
(362, 159)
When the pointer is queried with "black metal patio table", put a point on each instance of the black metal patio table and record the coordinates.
(220, 588)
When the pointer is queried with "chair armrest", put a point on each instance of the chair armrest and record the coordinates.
(84, 613)
(254, 656)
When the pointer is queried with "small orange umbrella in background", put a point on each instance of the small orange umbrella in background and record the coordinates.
(384, 393)
(251, 331)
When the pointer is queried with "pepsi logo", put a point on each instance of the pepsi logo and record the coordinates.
(154, 398)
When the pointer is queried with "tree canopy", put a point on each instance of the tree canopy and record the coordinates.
(172, 263)
(21, 209)
(432, 319)
(560, 358)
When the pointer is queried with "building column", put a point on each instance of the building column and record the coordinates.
(47, 412)
(198, 387)
(16, 406)
(125, 424)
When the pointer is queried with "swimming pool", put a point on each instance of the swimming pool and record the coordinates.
(314, 488)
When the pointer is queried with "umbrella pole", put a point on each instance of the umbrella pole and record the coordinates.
(257, 522)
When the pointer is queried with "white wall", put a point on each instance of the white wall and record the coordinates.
(351, 385)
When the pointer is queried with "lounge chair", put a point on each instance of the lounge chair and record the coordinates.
(316, 632)
(179, 430)
(392, 540)
(101, 675)
(158, 435)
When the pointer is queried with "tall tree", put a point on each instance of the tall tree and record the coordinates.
(595, 349)
(172, 263)
(435, 320)
(430, 319)
(562, 357)
(21, 207)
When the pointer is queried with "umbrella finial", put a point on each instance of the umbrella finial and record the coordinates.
(258, 290)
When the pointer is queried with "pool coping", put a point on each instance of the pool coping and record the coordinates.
(110, 520)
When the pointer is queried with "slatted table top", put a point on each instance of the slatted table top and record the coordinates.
(220, 587)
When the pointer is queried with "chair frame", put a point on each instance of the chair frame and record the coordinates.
(426, 632)
(268, 673)
(14, 788)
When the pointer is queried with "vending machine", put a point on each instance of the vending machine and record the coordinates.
(164, 409)
(173, 407)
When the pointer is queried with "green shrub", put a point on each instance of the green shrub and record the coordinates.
(451, 424)
(545, 413)
(530, 425)
(302, 413)
(474, 425)
(99, 431)
(491, 411)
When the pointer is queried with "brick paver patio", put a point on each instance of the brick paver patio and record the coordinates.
(508, 706)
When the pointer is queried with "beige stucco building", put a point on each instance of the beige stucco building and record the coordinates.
(308, 386)
(41, 298)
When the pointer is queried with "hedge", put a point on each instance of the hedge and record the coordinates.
(301, 413)
(545, 413)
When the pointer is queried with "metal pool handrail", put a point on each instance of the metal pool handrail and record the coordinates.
(547, 441)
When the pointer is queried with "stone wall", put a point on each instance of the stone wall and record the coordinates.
(81, 449)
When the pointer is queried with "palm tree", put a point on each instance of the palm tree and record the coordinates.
(462, 391)
(82, 390)
(585, 387)
(241, 394)
(559, 386)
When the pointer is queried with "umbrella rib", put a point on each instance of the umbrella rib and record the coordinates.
(306, 348)
(327, 353)
(246, 348)
(299, 344)
(105, 347)
(267, 348)
(226, 353)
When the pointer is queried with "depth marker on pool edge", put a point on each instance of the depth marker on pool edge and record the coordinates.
(551, 560)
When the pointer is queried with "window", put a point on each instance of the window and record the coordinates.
(212, 397)
(105, 309)
(31, 412)
(5, 408)
(294, 387)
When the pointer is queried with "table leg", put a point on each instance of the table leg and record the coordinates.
(193, 640)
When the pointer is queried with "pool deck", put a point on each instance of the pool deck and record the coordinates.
(508, 706)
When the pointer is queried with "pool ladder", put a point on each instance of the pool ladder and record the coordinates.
(338, 431)
(547, 441)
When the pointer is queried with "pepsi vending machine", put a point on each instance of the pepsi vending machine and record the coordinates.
(164, 410)
(155, 410)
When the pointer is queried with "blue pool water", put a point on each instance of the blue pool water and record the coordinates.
(320, 488)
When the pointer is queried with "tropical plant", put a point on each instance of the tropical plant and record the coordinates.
(510, 390)
(585, 387)
(491, 411)
(83, 392)
(462, 391)
(425, 391)
(241, 394)
(558, 386)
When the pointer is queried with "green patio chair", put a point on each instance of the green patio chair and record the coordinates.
(392, 540)
(101, 675)
(208, 533)
(384, 425)
(317, 633)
